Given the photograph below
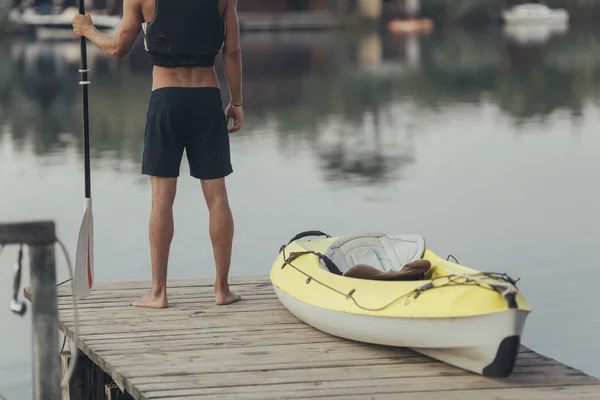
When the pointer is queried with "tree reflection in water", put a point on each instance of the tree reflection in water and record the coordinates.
(340, 94)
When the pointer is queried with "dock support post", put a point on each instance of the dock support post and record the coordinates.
(89, 381)
(46, 365)
(40, 237)
(76, 387)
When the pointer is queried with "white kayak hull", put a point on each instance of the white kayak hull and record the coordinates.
(482, 344)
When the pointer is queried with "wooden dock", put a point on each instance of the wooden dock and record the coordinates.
(256, 349)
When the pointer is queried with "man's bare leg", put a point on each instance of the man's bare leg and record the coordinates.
(221, 236)
(160, 234)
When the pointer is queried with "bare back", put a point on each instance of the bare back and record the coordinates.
(181, 76)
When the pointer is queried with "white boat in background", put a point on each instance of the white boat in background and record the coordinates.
(51, 24)
(534, 13)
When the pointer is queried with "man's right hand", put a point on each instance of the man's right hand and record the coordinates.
(236, 113)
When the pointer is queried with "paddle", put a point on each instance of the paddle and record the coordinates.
(84, 259)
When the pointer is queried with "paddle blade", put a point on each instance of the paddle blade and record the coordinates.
(83, 278)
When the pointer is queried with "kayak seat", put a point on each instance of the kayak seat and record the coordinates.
(370, 254)
(413, 271)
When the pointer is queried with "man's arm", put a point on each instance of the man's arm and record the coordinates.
(232, 54)
(128, 30)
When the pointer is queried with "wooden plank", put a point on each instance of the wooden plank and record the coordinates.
(181, 321)
(427, 386)
(292, 354)
(108, 296)
(148, 326)
(205, 299)
(189, 319)
(246, 320)
(129, 288)
(99, 294)
(38, 233)
(247, 364)
(143, 325)
(168, 329)
(260, 335)
(233, 342)
(302, 336)
(208, 336)
(107, 351)
(199, 304)
(112, 392)
(298, 375)
(248, 359)
(195, 305)
(175, 283)
(579, 392)
(70, 392)
(202, 371)
(292, 375)
(272, 353)
(126, 349)
(183, 315)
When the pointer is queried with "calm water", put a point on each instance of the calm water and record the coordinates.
(485, 145)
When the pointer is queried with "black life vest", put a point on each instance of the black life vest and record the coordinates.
(184, 33)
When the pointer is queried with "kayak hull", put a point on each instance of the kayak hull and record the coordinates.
(486, 344)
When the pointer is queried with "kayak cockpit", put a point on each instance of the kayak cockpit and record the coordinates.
(377, 256)
(378, 250)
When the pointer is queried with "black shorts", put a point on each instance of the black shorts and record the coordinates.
(186, 118)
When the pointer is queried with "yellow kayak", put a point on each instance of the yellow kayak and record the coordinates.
(361, 287)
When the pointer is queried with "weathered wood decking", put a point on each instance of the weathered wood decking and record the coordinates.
(256, 349)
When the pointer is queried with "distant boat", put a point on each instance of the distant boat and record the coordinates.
(411, 25)
(31, 17)
(534, 13)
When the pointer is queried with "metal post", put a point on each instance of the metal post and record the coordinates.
(40, 237)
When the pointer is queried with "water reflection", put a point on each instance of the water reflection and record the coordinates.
(330, 91)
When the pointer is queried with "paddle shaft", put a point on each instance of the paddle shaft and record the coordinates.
(86, 125)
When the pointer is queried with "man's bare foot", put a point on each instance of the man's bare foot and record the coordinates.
(224, 298)
(150, 300)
